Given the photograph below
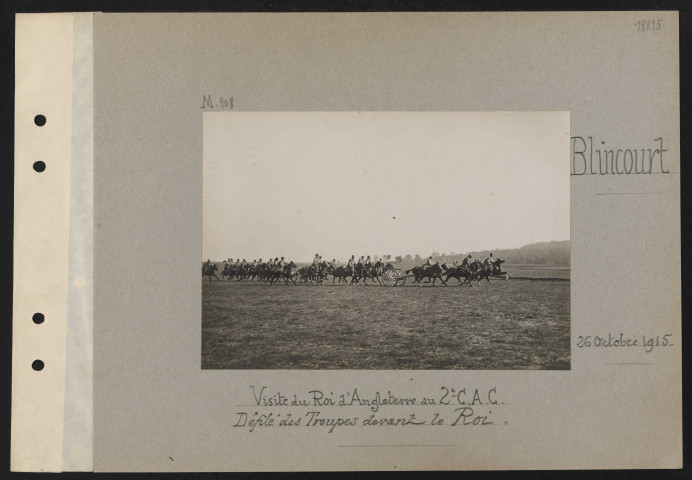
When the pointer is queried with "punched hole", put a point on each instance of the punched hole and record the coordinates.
(38, 318)
(37, 365)
(39, 166)
(40, 120)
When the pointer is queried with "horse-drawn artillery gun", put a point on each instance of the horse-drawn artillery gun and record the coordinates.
(393, 277)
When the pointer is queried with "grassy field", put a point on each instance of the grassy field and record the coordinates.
(521, 323)
(537, 271)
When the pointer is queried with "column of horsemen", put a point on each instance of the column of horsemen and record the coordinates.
(364, 268)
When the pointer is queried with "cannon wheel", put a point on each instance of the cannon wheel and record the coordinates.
(401, 277)
(390, 278)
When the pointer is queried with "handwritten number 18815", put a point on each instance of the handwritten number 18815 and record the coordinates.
(648, 25)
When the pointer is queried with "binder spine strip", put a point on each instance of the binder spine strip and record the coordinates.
(43, 86)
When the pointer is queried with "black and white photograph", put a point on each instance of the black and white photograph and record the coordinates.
(386, 241)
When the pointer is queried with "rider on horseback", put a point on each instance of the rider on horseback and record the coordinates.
(429, 263)
(466, 263)
(359, 267)
(316, 264)
(489, 262)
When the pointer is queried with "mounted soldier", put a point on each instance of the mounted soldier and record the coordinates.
(378, 267)
(466, 263)
(209, 269)
(489, 262)
(429, 263)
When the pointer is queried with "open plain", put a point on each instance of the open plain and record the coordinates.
(520, 323)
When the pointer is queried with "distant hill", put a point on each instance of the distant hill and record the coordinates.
(543, 253)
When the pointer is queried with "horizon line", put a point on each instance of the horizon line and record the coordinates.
(454, 254)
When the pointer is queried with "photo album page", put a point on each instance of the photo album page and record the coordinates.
(347, 241)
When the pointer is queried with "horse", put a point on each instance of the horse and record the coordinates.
(304, 274)
(497, 269)
(290, 273)
(374, 272)
(358, 274)
(324, 269)
(260, 272)
(287, 273)
(460, 272)
(342, 272)
(227, 271)
(429, 271)
(315, 272)
(208, 270)
(481, 271)
(485, 271)
(272, 273)
(253, 273)
(244, 272)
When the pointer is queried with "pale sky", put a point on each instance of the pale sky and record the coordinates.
(294, 184)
